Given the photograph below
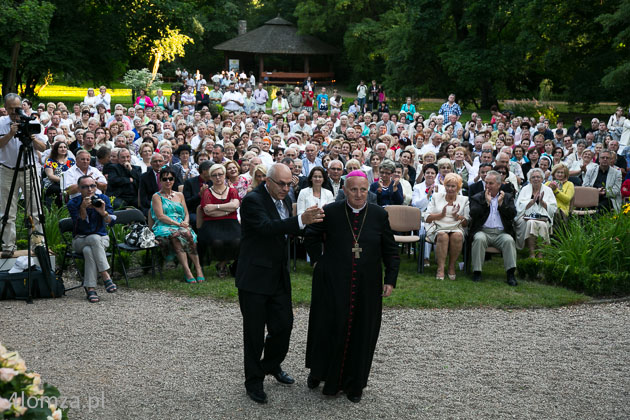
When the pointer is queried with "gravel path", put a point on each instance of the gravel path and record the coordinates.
(157, 356)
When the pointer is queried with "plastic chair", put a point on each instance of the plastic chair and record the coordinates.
(127, 217)
(584, 198)
(406, 219)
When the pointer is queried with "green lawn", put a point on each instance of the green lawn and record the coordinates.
(413, 290)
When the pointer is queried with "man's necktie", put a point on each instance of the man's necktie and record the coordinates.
(282, 211)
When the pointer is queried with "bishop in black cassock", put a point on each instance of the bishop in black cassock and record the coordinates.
(348, 250)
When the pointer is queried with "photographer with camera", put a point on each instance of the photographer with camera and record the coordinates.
(16, 128)
(90, 212)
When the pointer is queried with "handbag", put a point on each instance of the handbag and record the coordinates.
(140, 236)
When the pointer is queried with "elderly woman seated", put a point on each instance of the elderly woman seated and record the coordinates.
(562, 188)
(535, 208)
(445, 166)
(448, 215)
(387, 189)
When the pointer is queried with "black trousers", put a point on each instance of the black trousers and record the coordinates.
(274, 312)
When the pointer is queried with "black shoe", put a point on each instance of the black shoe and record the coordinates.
(355, 398)
(311, 382)
(511, 279)
(476, 276)
(258, 396)
(284, 378)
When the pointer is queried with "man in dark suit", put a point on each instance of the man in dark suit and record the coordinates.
(123, 180)
(192, 188)
(149, 183)
(480, 185)
(334, 183)
(492, 215)
(262, 278)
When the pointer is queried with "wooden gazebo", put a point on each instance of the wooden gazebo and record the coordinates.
(279, 37)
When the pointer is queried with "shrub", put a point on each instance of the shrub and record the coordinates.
(595, 244)
(588, 255)
(529, 267)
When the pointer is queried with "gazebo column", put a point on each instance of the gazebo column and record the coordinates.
(307, 67)
(227, 61)
(261, 65)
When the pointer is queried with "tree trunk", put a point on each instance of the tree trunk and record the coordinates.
(156, 65)
(12, 85)
(488, 96)
(5, 81)
(31, 83)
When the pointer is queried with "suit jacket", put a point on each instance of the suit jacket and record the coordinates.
(613, 183)
(478, 187)
(262, 262)
(329, 187)
(191, 193)
(480, 210)
(148, 187)
(118, 184)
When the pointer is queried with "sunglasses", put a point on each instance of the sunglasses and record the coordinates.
(168, 179)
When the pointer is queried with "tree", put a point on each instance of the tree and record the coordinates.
(23, 32)
(617, 76)
(166, 48)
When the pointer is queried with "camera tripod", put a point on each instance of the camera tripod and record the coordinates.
(25, 166)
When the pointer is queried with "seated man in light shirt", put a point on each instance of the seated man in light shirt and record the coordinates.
(82, 167)
(492, 215)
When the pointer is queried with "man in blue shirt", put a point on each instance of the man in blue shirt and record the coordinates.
(450, 107)
(322, 95)
(90, 212)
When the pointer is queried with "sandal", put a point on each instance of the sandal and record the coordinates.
(110, 287)
(92, 297)
(191, 281)
(201, 279)
(7, 254)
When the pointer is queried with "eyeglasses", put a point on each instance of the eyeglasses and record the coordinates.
(168, 179)
(85, 187)
(334, 169)
(281, 184)
(219, 175)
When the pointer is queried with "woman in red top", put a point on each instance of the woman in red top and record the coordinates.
(221, 230)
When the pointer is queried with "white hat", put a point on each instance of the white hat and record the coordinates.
(21, 264)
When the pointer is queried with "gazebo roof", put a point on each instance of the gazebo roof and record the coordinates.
(277, 36)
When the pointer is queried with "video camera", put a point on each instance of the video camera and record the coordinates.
(25, 128)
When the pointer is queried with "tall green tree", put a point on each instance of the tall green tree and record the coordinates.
(616, 79)
(23, 34)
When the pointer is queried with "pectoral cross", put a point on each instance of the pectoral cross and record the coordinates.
(357, 250)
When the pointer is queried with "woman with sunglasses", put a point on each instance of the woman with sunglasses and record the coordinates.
(221, 231)
(171, 228)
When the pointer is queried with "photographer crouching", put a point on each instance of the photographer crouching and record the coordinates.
(14, 128)
(90, 212)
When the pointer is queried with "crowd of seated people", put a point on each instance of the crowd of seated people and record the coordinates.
(503, 182)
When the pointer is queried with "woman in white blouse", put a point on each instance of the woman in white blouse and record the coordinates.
(90, 100)
(447, 216)
(421, 197)
(535, 207)
(314, 195)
